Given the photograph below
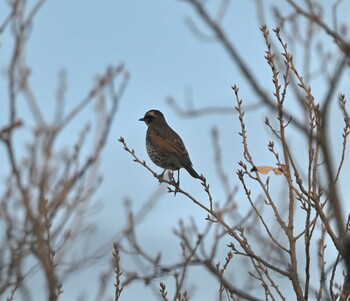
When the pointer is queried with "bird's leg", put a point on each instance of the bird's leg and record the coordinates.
(162, 174)
(177, 184)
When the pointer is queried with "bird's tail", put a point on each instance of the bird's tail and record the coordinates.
(192, 172)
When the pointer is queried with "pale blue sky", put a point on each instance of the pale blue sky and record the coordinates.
(164, 59)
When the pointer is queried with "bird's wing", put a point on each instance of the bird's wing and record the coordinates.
(173, 146)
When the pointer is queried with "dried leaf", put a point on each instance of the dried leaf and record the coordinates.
(265, 169)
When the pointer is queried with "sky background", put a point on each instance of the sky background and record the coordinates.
(165, 59)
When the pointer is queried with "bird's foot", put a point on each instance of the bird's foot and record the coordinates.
(161, 177)
(177, 187)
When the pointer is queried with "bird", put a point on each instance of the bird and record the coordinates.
(165, 147)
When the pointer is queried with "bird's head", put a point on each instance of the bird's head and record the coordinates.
(151, 116)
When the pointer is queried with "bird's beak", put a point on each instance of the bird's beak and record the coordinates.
(142, 119)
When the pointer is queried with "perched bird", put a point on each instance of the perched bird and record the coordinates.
(164, 146)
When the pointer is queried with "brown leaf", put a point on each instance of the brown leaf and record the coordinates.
(265, 169)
